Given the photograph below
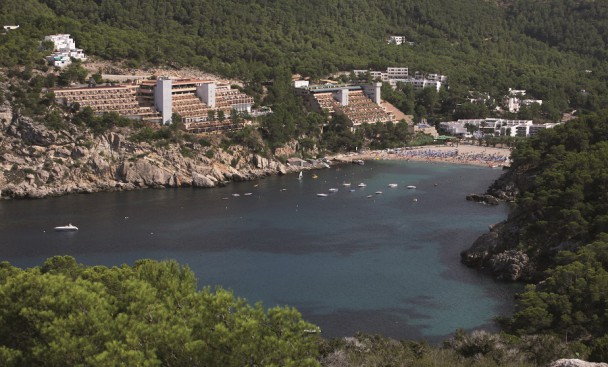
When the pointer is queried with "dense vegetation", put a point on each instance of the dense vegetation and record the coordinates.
(478, 44)
(565, 203)
(150, 314)
(563, 227)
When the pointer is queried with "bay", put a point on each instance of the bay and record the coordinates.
(386, 264)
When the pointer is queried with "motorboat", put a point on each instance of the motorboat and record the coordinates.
(322, 195)
(411, 187)
(392, 185)
(361, 185)
(68, 228)
(236, 195)
(378, 192)
(346, 184)
(333, 189)
(247, 194)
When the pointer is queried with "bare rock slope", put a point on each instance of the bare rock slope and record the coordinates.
(37, 162)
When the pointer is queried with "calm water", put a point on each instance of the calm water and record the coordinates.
(386, 264)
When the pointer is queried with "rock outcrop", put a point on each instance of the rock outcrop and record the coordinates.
(485, 199)
(37, 162)
(496, 252)
(576, 363)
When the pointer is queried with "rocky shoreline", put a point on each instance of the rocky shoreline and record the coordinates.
(36, 162)
(496, 252)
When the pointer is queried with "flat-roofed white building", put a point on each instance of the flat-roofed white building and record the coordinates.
(300, 83)
(396, 74)
(64, 50)
(489, 126)
(396, 40)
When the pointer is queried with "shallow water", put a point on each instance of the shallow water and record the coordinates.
(385, 264)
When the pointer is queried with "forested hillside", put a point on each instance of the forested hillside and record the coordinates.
(478, 44)
(563, 227)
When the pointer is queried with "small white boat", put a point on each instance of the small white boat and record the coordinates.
(361, 185)
(352, 190)
(378, 192)
(392, 185)
(333, 189)
(346, 184)
(247, 193)
(300, 176)
(415, 200)
(411, 187)
(236, 195)
(322, 195)
(370, 196)
(68, 228)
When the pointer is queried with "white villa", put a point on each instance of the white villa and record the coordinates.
(64, 50)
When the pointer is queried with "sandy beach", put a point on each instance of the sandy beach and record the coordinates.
(461, 154)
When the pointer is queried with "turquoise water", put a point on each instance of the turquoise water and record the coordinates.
(385, 264)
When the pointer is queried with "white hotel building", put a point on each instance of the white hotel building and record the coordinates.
(394, 75)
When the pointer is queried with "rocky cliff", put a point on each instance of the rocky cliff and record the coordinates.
(37, 162)
(497, 251)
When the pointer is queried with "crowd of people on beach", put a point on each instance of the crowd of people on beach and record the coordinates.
(454, 156)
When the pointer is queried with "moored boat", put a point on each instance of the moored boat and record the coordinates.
(68, 228)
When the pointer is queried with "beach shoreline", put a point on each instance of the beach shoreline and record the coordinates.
(460, 154)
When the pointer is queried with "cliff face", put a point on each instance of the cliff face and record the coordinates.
(36, 162)
(497, 251)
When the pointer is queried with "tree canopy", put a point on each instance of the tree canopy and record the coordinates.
(148, 314)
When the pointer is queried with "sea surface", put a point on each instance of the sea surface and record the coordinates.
(386, 264)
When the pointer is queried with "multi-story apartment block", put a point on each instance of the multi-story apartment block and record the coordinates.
(496, 127)
(394, 75)
(359, 103)
(197, 102)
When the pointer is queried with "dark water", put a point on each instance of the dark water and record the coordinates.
(386, 264)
